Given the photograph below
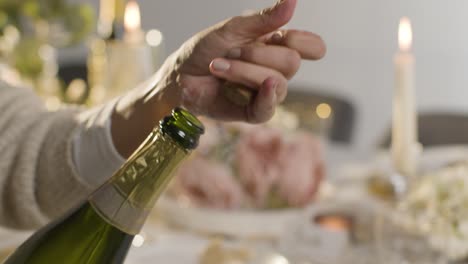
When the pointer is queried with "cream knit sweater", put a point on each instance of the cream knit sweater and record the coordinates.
(38, 180)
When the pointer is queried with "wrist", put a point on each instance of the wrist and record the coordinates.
(139, 110)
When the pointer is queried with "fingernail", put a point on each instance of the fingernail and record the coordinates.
(220, 65)
(234, 53)
(277, 37)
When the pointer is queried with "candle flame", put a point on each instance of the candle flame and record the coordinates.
(132, 19)
(405, 34)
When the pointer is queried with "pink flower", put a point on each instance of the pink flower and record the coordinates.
(256, 157)
(209, 184)
(211, 137)
(301, 168)
(266, 162)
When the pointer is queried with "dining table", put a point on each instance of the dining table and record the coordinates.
(177, 233)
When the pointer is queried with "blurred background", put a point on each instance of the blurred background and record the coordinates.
(366, 208)
(357, 73)
(361, 37)
(66, 51)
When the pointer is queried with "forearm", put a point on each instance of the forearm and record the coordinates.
(38, 180)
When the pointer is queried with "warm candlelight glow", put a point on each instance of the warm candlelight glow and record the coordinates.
(405, 129)
(324, 111)
(405, 34)
(138, 240)
(132, 19)
(154, 37)
(334, 222)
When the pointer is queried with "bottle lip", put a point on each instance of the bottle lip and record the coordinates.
(188, 119)
(183, 127)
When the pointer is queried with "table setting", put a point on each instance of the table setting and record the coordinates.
(282, 192)
(356, 222)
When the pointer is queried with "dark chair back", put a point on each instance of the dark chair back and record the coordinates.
(305, 103)
(69, 72)
(439, 128)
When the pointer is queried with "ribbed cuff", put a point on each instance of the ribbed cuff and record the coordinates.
(94, 153)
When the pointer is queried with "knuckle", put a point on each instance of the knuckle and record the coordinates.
(224, 26)
(248, 53)
(192, 98)
(232, 22)
(229, 27)
(265, 19)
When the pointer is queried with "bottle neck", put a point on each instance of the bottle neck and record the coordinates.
(127, 198)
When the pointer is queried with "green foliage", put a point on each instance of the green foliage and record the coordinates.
(75, 20)
(26, 58)
(58, 23)
(81, 24)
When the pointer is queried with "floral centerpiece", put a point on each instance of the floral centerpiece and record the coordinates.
(437, 207)
(252, 166)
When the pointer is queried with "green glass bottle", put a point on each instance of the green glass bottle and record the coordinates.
(101, 230)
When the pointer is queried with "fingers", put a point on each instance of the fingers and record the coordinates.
(309, 45)
(268, 20)
(259, 110)
(282, 59)
(271, 86)
(263, 107)
(248, 74)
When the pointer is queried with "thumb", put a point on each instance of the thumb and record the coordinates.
(264, 22)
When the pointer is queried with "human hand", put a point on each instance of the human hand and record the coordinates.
(247, 50)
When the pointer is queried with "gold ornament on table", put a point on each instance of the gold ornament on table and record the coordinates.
(216, 253)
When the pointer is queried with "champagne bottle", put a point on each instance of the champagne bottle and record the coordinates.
(101, 230)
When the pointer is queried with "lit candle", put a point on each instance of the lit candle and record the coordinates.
(404, 133)
(132, 23)
(120, 65)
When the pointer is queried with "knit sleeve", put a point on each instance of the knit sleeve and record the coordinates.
(38, 180)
